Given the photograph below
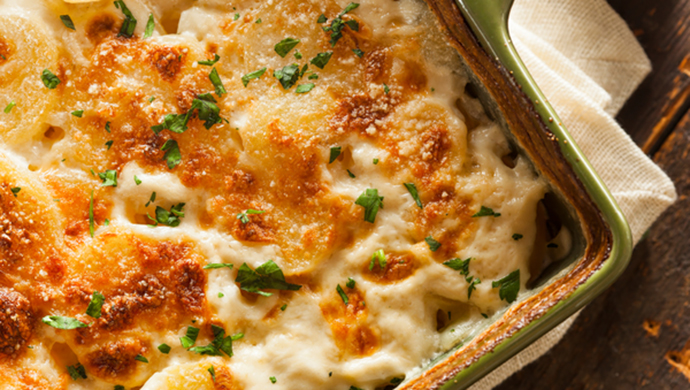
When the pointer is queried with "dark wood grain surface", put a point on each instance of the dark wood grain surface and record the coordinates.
(637, 334)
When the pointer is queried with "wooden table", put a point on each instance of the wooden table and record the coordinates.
(637, 334)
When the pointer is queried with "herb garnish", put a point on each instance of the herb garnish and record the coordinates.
(109, 178)
(287, 76)
(129, 24)
(304, 88)
(517, 236)
(282, 308)
(212, 371)
(350, 283)
(15, 190)
(141, 358)
(433, 244)
(313, 76)
(486, 212)
(218, 265)
(137, 180)
(266, 276)
(380, 257)
(244, 217)
(273, 379)
(170, 218)
(412, 189)
(94, 308)
(78, 113)
(152, 199)
(371, 201)
(109, 144)
(49, 79)
(107, 126)
(337, 25)
(283, 47)
(386, 88)
(212, 62)
(67, 21)
(342, 294)
(321, 59)
(298, 55)
(91, 223)
(335, 152)
(190, 337)
(77, 371)
(150, 25)
(10, 107)
(509, 286)
(471, 287)
(217, 82)
(359, 53)
(352, 175)
(322, 19)
(164, 348)
(459, 265)
(252, 75)
(172, 153)
(220, 344)
(60, 322)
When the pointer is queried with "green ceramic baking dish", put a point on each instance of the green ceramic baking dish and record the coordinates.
(478, 29)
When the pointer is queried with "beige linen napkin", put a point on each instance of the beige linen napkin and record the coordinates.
(587, 62)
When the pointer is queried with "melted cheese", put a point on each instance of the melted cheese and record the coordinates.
(403, 104)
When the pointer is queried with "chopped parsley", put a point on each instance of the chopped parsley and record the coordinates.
(258, 21)
(77, 371)
(380, 257)
(109, 144)
(119, 387)
(484, 315)
(129, 24)
(10, 107)
(313, 76)
(151, 199)
(371, 201)
(15, 190)
(237, 16)
(78, 113)
(321, 59)
(351, 282)
(283, 47)
(252, 75)
(141, 358)
(150, 25)
(335, 152)
(397, 380)
(217, 82)
(459, 265)
(164, 348)
(91, 223)
(359, 53)
(152, 98)
(107, 127)
(189, 338)
(298, 55)
(486, 212)
(322, 19)
(342, 294)
(287, 76)
(212, 62)
(352, 175)
(207, 110)
(220, 344)
(106, 222)
(137, 180)
(266, 276)
(218, 265)
(509, 286)
(354, 388)
(376, 161)
(212, 371)
(170, 218)
(337, 25)
(433, 244)
(94, 309)
(304, 88)
(386, 88)
(221, 295)
(282, 308)
(60, 322)
(273, 379)
(470, 288)
(412, 189)
(244, 217)
(172, 153)
(109, 178)
(67, 21)
(517, 236)
(49, 79)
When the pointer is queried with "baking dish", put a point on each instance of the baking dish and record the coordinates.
(478, 30)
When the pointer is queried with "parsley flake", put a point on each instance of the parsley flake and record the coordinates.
(15, 190)
(78, 113)
(10, 107)
(337, 25)
(218, 265)
(335, 152)
(266, 276)
(342, 294)
(459, 265)
(151, 199)
(109, 178)
(433, 244)
(107, 127)
(212, 371)
(244, 217)
(304, 88)
(322, 19)
(471, 287)
(137, 180)
(220, 344)
(298, 55)
(92, 229)
(287, 76)
(94, 309)
(380, 257)
(283, 47)
(358, 52)
(129, 24)
(49, 79)
(321, 59)
(60, 322)
(509, 286)
(258, 21)
(217, 82)
(412, 189)
(119, 387)
(376, 161)
(237, 16)
(212, 62)
(164, 348)
(109, 144)
(313, 76)
(351, 283)
(172, 153)
(141, 358)
(150, 25)
(189, 338)
(67, 21)
(371, 201)
(486, 212)
(386, 88)
(170, 218)
(221, 295)
(252, 75)
(282, 308)
(352, 175)
(517, 236)
(77, 371)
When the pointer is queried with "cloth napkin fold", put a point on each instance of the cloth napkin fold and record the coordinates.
(588, 63)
